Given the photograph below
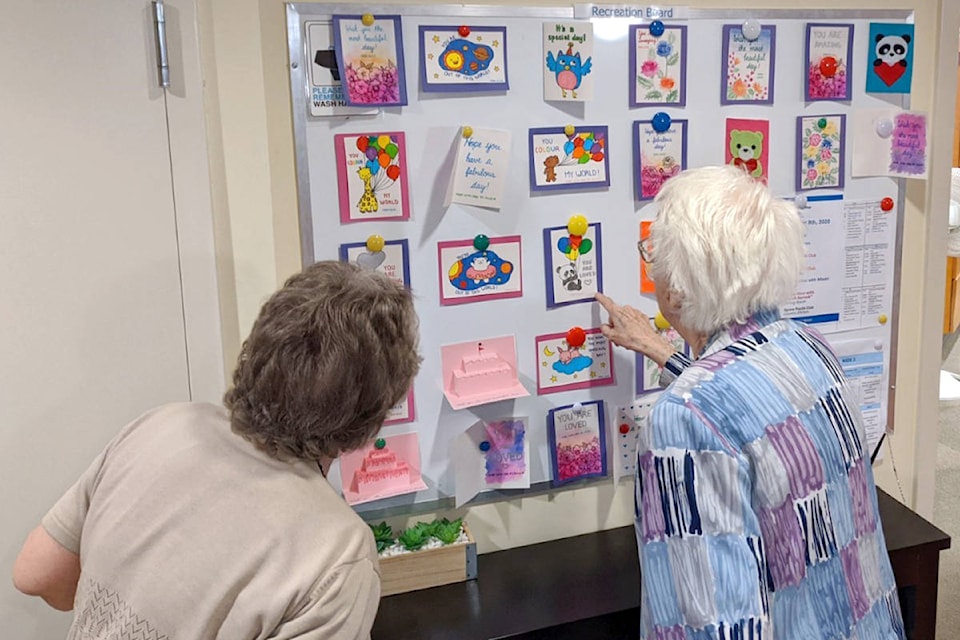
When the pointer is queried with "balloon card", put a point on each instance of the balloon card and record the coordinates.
(464, 58)
(658, 66)
(480, 171)
(573, 265)
(578, 442)
(648, 371)
(372, 176)
(562, 366)
(567, 61)
(657, 156)
(392, 260)
(827, 75)
(748, 66)
(569, 158)
(480, 269)
(370, 59)
(821, 151)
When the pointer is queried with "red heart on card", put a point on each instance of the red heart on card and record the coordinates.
(889, 74)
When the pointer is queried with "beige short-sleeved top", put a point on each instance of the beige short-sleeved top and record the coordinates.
(186, 531)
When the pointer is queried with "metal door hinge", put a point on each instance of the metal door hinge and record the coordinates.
(160, 31)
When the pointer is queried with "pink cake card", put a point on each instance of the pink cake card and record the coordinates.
(376, 472)
(480, 269)
(748, 146)
(372, 176)
(564, 368)
(480, 371)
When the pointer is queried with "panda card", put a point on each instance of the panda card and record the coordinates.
(748, 143)
(567, 61)
(573, 265)
(890, 58)
(479, 269)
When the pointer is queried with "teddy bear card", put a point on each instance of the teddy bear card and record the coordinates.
(569, 157)
(747, 146)
(573, 266)
(479, 269)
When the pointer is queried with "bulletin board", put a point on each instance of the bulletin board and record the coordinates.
(428, 131)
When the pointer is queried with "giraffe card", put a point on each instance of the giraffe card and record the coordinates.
(578, 442)
(573, 265)
(464, 58)
(372, 176)
(561, 160)
(658, 66)
(480, 269)
(564, 367)
(370, 59)
(393, 260)
(568, 61)
(748, 65)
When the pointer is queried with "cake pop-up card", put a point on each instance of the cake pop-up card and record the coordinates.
(479, 269)
(578, 443)
(464, 58)
(659, 153)
(748, 63)
(568, 61)
(491, 455)
(480, 371)
(370, 58)
(821, 151)
(828, 48)
(372, 176)
(480, 172)
(658, 65)
(572, 258)
(577, 359)
(569, 157)
(390, 466)
(647, 370)
(389, 257)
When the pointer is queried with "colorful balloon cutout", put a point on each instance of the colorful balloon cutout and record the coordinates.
(392, 150)
(384, 159)
(598, 156)
(374, 166)
(578, 141)
(362, 144)
(383, 141)
(578, 153)
(584, 159)
(372, 141)
(371, 153)
(393, 172)
(568, 147)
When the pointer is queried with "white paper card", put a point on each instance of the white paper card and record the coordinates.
(902, 154)
(480, 172)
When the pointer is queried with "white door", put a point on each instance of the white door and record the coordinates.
(92, 329)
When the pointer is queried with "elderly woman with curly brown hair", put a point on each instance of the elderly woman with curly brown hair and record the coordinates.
(203, 522)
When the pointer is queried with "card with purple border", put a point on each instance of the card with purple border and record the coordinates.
(821, 151)
(561, 161)
(748, 66)
(573, 267)
(370, 59)
(393, 260)
(657, 156)
(658, 66)
(451, 61)
(827, 74)
(578, 442)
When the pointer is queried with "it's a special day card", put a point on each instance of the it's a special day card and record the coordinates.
(480, 269)
(568, 61)
(392, 261)
(562, 158)
(566, 366)
(748, 66)
(370, 59)
(574, 265)
(578, 442)
(463, 58)
(480, 371)
(658, 66)
(372, 176)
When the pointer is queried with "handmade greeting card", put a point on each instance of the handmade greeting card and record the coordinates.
(658, 66)
(326, 90)
(578, 442)
(480, 173)
(568, 61)
(491, 455)
(828, 48)
(748, 65)
(573, 265)
(372, 176)
(820, 151)
(625, 435)
(748, 143)
(480, 269)
(389, 466)
(646, 282)
(890, 142)
(890, 58)
(370, 58)
(657, 156)
(393, 260)
(401, 412)
(566, 363)
(567, 158)
(647, 370)
(480, 371)
(463, 58)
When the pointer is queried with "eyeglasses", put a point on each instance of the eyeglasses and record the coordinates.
(646, 250)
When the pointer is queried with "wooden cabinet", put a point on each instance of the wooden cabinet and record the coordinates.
(951, 305)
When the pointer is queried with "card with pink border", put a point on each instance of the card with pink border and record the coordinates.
(372, 176)
(470, 274)
(403, 411)
(564, 368)
(373, 473)
(480, 371)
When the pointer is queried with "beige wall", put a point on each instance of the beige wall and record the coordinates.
(253, 155)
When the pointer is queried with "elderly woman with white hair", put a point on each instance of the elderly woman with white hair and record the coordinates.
(756, 509)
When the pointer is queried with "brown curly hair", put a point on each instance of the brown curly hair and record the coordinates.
(330, 353)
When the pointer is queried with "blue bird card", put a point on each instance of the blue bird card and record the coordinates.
(658, 66)
(464, 58)
(567, 61)
(890, 58)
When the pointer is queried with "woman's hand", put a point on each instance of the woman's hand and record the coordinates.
(631, 329)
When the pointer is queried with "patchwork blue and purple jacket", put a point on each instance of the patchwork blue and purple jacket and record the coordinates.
(756, 510)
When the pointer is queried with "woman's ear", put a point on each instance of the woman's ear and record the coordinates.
(674, 300)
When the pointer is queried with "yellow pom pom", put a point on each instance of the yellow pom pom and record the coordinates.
(577, 225)
(467, 132)
(569, 130)
(375, 243)
(660, 322)
(367, 19)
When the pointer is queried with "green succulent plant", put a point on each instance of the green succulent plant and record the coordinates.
(447, 532)
(382, 535)
(414, 537)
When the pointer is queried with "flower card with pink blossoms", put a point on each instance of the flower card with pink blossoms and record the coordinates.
(657, 156)
(748, 66)
(370, 59)
(578, 442)
(658, 66)
(820, 152)
(827, 75)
